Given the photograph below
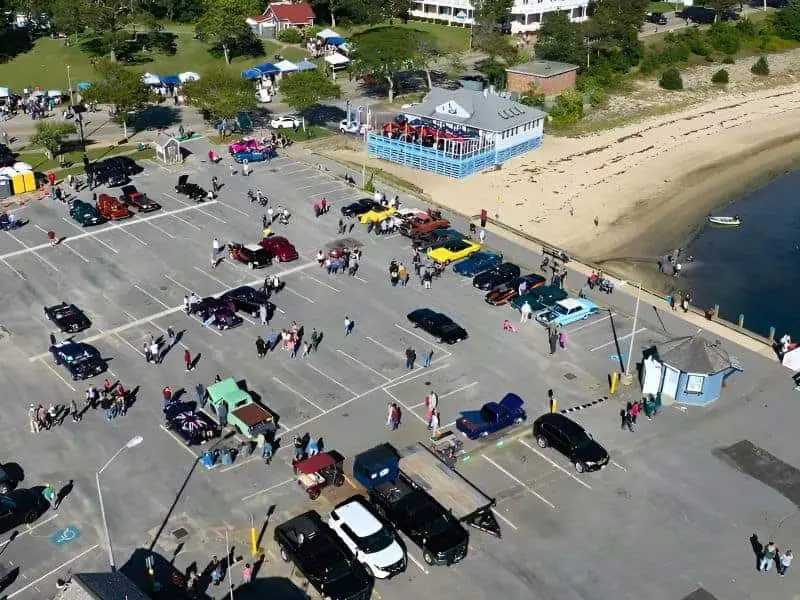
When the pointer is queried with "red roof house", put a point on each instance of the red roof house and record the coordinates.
(283, 15)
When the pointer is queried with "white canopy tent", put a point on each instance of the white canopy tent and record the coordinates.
(188, 76)
(151, 79)
(336, 59)
(327, 33)
(54, 94)
(4, 92)
(286, 66)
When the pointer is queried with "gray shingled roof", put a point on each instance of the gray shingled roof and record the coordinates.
(489, 112)
(543, 68)
(698, 355)
(102, 586)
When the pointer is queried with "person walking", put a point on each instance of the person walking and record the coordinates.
(172, 338)
(33, 420)
(215, 248)
(306, 350)
(426, 361)
(348, 326)
(435, 424)
(216, 570)
(187, 359)
(525, 312)
(262, 313)
(481, 235)
(562, 339)
(784, 562)
(214, 184)
(267, 451)
(261, 347)
(155, 351)
(316, 338)
(73, 409)
(411, 357)
(247, 575)
(552, 337)
(636, 408)
(768, 557)
(672, 301)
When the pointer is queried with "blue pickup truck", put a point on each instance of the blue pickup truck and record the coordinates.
(492, 417)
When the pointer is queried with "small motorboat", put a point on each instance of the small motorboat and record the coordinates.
(725, 221)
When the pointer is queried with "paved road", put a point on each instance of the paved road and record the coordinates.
(666, 508)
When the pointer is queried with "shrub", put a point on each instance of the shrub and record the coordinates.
(746, 28)
(312, 31)
(725, 38)
(568, 108)
(710, 59)
(369, 187)
(728, 60)
(671, 80)
(761, 66)
(720, 76)
(533, 99)
(290, 36)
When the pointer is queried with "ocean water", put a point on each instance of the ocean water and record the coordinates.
(753, 270)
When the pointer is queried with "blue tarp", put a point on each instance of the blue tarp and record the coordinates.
(251, 74)
(336, 41)
(83, 85)
(268, 68)
(171, 80)
(306, 65)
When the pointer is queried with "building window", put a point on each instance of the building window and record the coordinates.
(694, 383)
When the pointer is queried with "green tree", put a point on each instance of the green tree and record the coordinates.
(220, 94)
(428, 53)
(568, 108)
(671, 80)
(223, 26)
(487, 34)
(50, 135)
(720, 76)
(70, 17)
(787, 21)
(760, 67)
(120, 87)
(561, 40)
(614, 31)
(304, 90)
(290, 35)
(385, 51)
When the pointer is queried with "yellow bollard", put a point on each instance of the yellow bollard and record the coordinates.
(554, 405)
(614, 382)
(253, 541)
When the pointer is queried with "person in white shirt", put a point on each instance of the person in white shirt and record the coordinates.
(525, 312)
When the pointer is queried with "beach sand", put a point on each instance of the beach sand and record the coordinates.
(648, 186)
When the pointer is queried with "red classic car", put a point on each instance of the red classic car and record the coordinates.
(133, 197)
(281, 248)
(112, 207)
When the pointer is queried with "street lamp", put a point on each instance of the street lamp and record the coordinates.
(132, 443)
(628, 378)
(69, 84)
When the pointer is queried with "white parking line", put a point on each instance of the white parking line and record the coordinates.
(36, 254)
(219, 281)
(590, 323)
(31, 528)
(181, 442)
(519, 482)
(49, 573)
(425, 372)
(366, 366)
(555, 464)
(389, 350)
(293, 172)
(419, 337)
(124, 341)
(360, 279)
(239, 210)
(20, 275)
(269, 489)
(336, 189)
(416, 562)
(148, 294)
(75, 252)
(461, 389)
(317, 183)
(329, 378)
(298, 394)
(187, 222)
(57, 374)
(306, 298)
(161, 229)
(499, 515)
(619, 466)
(208, 214)
(94, 237)
(619, 339)
(407, 408)
(319, 281)
(136, 237)
(180, 285)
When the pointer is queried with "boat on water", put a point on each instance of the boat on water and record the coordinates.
(725, 221)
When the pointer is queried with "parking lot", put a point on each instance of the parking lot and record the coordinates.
(131, 276)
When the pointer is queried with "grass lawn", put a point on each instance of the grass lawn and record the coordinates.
(46, 64)
(664, 7)
(39, 161)
(449, 39)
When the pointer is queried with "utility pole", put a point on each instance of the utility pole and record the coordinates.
(69, 83)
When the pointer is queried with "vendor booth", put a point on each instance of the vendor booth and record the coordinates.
(691, 371)
(306, 65)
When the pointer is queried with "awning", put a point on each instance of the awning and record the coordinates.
(335, 41)
(336, 59)
(83, 86)
(4, 92)
(306, 65)
(54, 94)
(327, 33)
(151, 79)
(286, 66)
(251, 74)
(171, 80)
(268, 68)
(188, 76)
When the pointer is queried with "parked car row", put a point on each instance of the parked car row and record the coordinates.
(112, 208)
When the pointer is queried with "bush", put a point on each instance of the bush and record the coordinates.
(725, 38)
(290, 36)
(728, 60)
(568, 108)
(787, 21)
(312, 31)
(720, 76)
(761, 66)
(533, 99)
(746, 28)
(671, 80)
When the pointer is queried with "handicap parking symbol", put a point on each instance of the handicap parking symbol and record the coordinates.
(65, 536)
(618, 357)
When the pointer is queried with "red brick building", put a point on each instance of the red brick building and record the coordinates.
(549, 78)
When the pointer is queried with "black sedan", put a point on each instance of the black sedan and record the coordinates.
(21, 506)
(440, 326)
(81, 360)
(249, 300)
(499, 275)
(359, 208)
(569, 438)
(67, 317)
(187, 188)
(437, 238)
(109, 174)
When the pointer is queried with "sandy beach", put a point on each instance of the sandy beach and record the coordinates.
(624, 196)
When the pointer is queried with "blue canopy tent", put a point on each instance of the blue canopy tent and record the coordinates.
(336, 41)
(83, 86)
(171, 80)
(251, 74)
(305, 65)
(268, 69)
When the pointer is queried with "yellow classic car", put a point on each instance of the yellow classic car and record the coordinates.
(377, 214)
(453, 250)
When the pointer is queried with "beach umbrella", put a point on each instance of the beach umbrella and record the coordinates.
(188, 76)
(251, 74)
(83, 86)
(151, 79)
(171, 80)
(192, 423)
(22, 167)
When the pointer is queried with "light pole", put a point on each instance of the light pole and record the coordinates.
(628, 378)
(133, 442)
(69, 84)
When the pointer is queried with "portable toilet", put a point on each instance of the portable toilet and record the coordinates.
(5, 187)
(30, 181)
(18, 183)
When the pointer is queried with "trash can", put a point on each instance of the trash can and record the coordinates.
(30, 181)
(18, 183)
(6, 190)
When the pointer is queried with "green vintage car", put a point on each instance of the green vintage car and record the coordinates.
(85, 214)
(239, 409)
(540, 298)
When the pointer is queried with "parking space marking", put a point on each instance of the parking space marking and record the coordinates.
(366, 366)
(317, 183)
(136, 237)
(360, 279)
(555, 464)
(329, 378)
(461, 389)
(619, 339)
(619, 466)
(76, 253)
(124, 341)
(595, 322)
(306, 298)
(20, 275)
(94, 236)
(269, 489)
(336, 189)
(389, 350)
(161, 229)
(319, 281)
(417, 376)
(52, 571)
(36, 254)
(416, 562)
(219, 281)
(519, 482)
(31, 528)
(180, 285)
(405, 406)
(500, 516)
(419, 337)
(149, 295)
(187, 222)
(298, 394)
(239, 210)
(57, 374)
(181, 443)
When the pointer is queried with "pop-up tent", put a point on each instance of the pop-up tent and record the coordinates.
(83, 86)
(188, 76)
(268, 69)
(286, 66)
(306, 65)
(151, 79)
(335, 41)
(336, 59)
(4, 92)
(171, 80)
(251, 74)
(327, 33)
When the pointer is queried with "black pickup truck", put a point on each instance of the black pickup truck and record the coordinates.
(409, 507)
(322, 558)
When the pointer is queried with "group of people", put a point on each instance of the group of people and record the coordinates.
(337, 262)
(770, 554)
(290, 340)
(154, 349)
